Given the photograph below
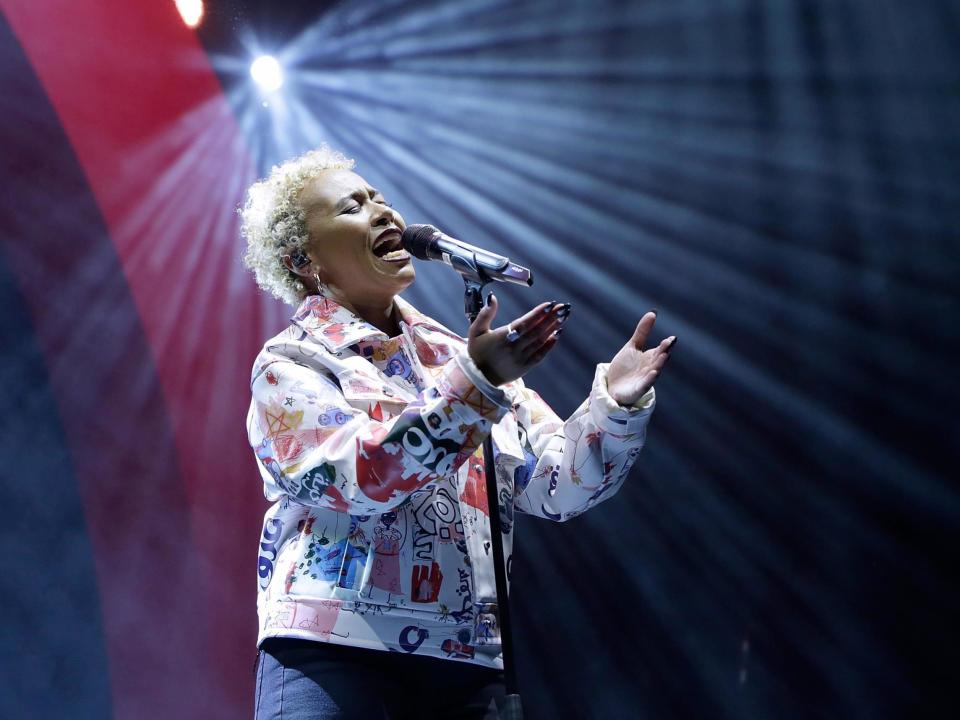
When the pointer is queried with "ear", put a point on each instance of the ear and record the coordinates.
(298, 262)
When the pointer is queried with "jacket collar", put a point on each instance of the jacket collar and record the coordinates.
(335, 327)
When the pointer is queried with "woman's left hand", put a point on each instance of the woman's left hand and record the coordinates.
(633, 370)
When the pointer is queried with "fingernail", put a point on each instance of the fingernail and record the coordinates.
(489, 298)
(557, 332)
(672, 344)
(563, 310)
(550, 307)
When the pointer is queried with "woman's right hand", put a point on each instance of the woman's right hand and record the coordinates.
(510, 351)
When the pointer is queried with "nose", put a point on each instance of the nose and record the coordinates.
(385, 216)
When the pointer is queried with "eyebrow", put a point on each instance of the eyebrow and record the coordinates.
(358, 195)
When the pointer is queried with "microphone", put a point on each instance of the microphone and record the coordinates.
(427, 243)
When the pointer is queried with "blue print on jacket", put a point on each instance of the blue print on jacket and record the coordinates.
(339, 561)
(523, 473)
(264, 453)
(343, 562)
(272, 530)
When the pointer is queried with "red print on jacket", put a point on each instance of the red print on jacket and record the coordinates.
(475, 489)
(335, 332)
(380, 468)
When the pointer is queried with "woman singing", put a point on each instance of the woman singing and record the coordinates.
(377, 596)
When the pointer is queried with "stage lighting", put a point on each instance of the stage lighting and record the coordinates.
(267, 73)
(191, 11)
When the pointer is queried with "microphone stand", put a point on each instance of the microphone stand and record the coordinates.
(474, 280)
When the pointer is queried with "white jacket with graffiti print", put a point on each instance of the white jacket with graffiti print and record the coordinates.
(378, 535)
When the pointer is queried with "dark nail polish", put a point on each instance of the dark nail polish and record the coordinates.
(489, 296)
(550, 307)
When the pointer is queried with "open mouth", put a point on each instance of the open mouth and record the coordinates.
(390, 248)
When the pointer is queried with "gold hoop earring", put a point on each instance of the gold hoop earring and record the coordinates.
(321, 288)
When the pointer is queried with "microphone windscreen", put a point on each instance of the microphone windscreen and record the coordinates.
(416, 240)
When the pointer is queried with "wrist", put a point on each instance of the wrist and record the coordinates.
(485, 370)
(482, 381)
(615, 418)
(621, 399)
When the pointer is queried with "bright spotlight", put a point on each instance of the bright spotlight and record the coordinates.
(191, 11)
(267, 73)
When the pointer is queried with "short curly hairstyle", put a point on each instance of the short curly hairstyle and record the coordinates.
(274, 224)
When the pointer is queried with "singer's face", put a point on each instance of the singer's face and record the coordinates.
(355, 238)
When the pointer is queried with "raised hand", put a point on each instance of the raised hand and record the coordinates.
(633, 370)
(510, 351)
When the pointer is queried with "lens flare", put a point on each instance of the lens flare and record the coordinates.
(267, 73)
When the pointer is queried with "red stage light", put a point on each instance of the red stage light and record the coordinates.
(191, 11)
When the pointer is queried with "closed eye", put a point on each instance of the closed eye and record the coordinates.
(358, 198)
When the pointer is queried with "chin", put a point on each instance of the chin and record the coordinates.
(405, 277)
(394, 279)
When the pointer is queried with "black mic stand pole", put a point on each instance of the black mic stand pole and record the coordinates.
(475, 281)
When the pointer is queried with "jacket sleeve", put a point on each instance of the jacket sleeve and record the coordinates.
(573, 465)
(314, 446)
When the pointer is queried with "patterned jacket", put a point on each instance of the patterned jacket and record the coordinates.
(370, 450)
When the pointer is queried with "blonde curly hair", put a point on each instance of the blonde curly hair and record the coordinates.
(274, 224)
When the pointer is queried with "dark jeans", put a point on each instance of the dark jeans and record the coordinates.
(301, 679)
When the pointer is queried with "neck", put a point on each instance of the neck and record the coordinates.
(379, 313)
